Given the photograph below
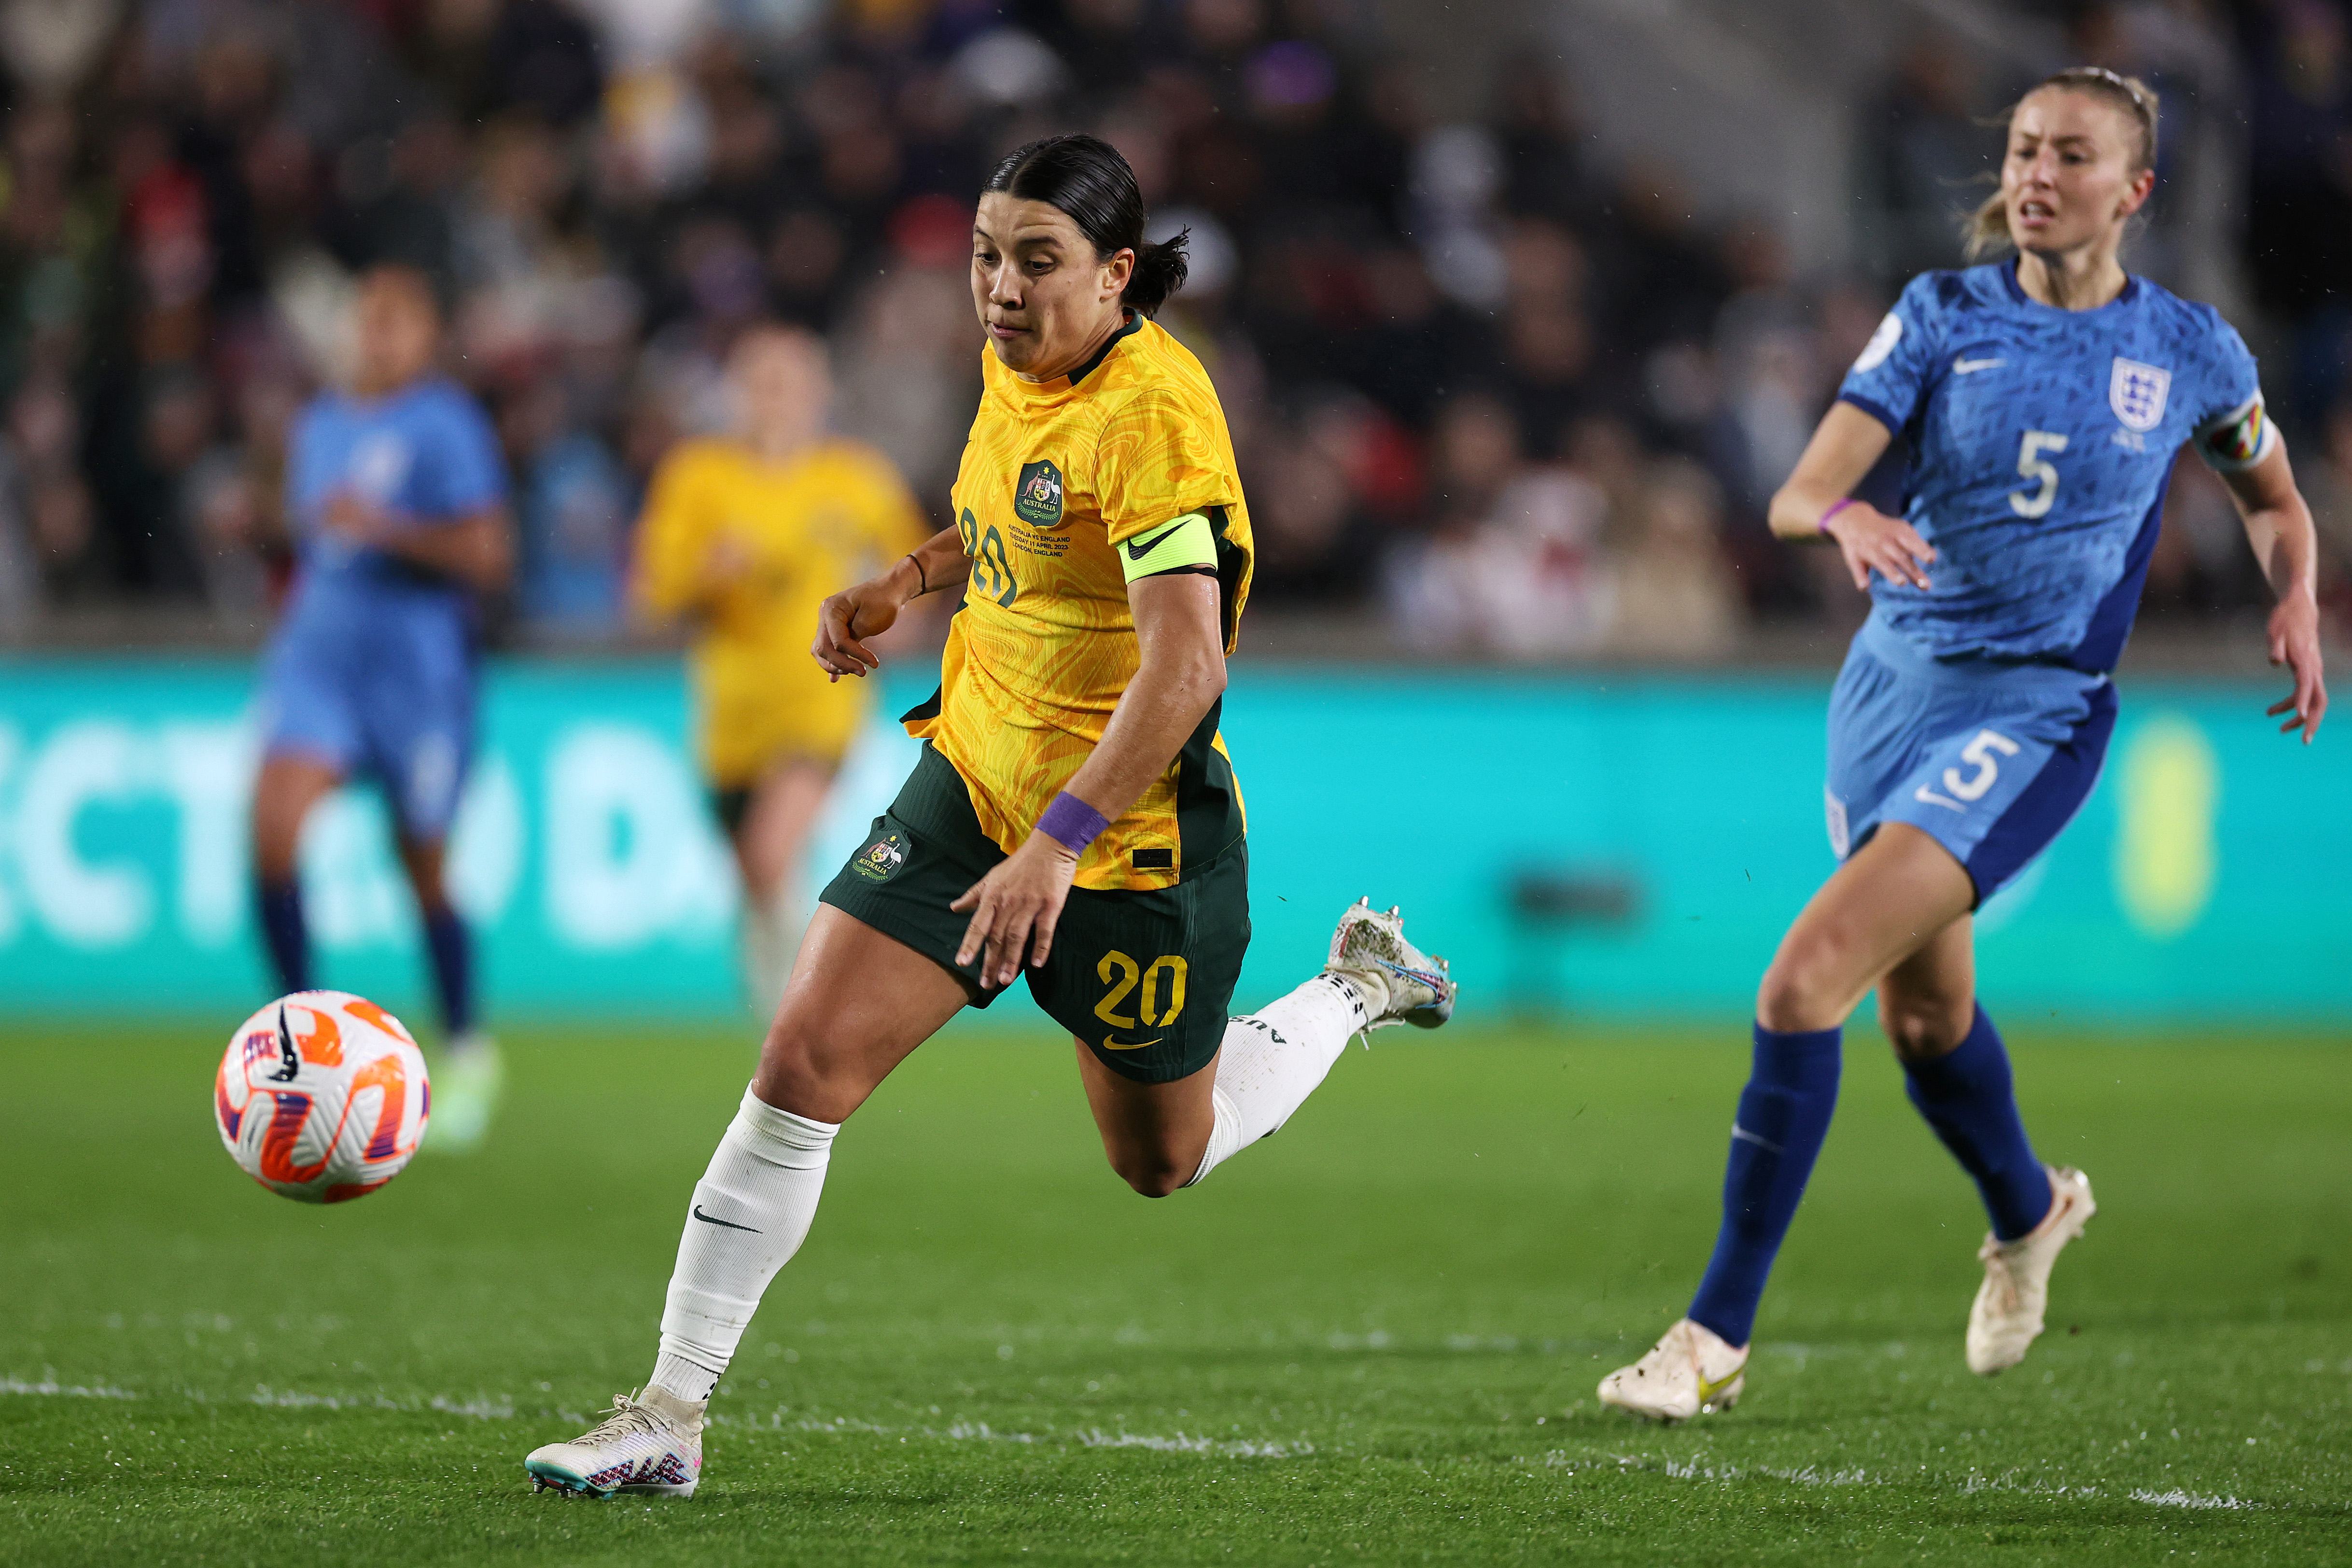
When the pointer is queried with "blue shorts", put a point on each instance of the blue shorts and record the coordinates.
(1991, 761)
(386, 696)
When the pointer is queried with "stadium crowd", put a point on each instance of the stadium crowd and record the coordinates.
(1516, 401)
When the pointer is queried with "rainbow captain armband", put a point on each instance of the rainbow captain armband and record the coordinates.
(1188, 542)
(2238, 440)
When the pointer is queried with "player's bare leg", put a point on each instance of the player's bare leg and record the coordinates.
(1154, 1134)
(769, 844)
(290, 784)
(1162, 1136)
(857, 1005)
(1892, 897)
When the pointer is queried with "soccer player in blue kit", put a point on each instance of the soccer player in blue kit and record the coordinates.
(395, 495)
(2043, 399)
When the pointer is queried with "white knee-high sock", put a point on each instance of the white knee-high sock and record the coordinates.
(1271, 1061)
(749, 1213)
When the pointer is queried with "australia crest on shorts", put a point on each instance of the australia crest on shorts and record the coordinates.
(881, 857)
(2136, 393)
(1037, 496)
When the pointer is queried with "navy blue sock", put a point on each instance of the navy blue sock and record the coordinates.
(453, 968)
(1784, 1114)
(1967, 1098)
(289, 940)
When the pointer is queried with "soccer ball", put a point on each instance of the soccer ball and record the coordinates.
(321, 1097)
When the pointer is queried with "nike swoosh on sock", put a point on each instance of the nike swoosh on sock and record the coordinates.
(730, 1225)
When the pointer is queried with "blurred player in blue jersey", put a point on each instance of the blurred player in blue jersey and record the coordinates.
(2043, 399)
(395, 496)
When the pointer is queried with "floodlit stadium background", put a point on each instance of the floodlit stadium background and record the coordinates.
(1519, 312)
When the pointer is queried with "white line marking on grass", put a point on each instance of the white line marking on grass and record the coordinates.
(49, 1388)
(981, 1432)
(1692, 1470)
(1813, 1476)
(479, 1407)
(1238, 1449)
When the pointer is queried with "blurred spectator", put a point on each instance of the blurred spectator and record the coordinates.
(1515, 566)
(1469, 366)
(1922, 152)
(1674, 595)
(572, 505)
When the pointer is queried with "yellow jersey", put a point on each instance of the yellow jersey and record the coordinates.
(750, 549)
(1057, 476)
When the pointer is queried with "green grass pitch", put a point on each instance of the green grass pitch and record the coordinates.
(1374, 1339)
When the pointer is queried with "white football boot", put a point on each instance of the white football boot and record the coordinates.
(466, 1083)
(652, 1443)
(1410, 987)
(1689, 1371)
(2007, 1316)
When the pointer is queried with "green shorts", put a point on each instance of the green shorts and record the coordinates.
(1144, 978)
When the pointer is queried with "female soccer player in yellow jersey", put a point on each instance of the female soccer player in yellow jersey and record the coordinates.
(744, 535)
(1073, 812)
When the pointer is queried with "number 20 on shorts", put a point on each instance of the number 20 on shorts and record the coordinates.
(1125, 977)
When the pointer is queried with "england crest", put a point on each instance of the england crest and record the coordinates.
(2136, 393)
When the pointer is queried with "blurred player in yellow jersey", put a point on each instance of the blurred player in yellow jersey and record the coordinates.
(743, 535)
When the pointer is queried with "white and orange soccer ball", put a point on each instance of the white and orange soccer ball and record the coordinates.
(321, 1097)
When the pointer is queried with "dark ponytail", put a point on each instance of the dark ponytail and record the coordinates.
(1085, 177)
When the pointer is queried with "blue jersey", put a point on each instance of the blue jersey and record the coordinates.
(425, 454)
(2041, 443)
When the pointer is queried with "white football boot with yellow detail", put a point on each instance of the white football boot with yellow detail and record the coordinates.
(1369, 948)
(2006, 1318)
(1689, 1371)
(652, 1443)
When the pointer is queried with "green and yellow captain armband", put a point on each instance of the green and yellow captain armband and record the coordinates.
(1187, 541)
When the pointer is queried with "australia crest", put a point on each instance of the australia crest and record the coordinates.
(881, 857)
(2136, 393)
(1037, 496)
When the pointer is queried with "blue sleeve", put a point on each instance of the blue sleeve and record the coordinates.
(469, 472)
(1897, 366)
(2233, 431)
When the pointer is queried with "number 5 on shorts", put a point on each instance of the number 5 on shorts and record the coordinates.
(1978, 754)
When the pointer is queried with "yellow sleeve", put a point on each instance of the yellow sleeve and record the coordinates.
(673, 537)
(1157, 462)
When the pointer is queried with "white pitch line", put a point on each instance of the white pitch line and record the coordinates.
(1813, 1476)
(48, 1388)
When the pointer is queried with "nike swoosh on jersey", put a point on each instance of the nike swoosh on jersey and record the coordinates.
(1137, 549)
(1970, 366)
(1110, 1043)
(730, 1225)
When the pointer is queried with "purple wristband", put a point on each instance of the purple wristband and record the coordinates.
(1823, 526)
(1072, 823)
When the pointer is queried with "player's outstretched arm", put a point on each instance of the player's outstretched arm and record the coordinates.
(2279, 527)
(845, 619)
(1180, 635)
(1816, 502)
